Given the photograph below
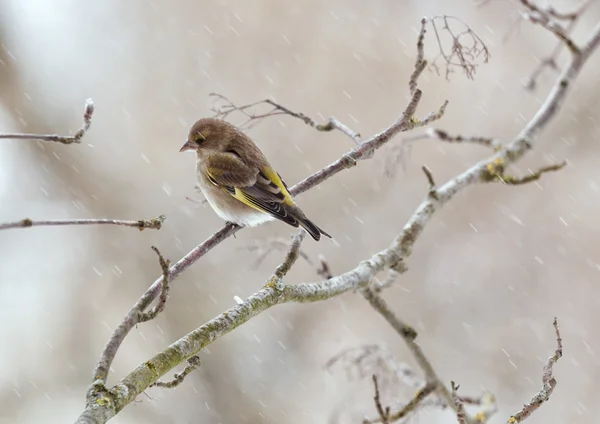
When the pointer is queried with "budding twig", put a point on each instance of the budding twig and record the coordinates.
(142, 224)
(548, 383)
(384, 414)
(75, 138)
(442, 135)
(288, 262)
(229, 107)
(193, 363)
(164, 292)
(496, 173)
(461, 415)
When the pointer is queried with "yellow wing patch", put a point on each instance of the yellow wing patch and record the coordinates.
(274, 176)
(242, 197)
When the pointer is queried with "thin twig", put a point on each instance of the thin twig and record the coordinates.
(405, 331)
(75, 138)
(142, 224)
(431, 181)
(418, 398)
(164, 292)
(411, 406)
(289, 260)
(229, 107)
(193, 363)
(496, 173)
(409, 335)
(384, 414)
(551, 25)
(399, 151)
(548, 383)
(434, 133)
(550, 61)
(461, 415)
(433, 116)
(420, 63)
(466, 50)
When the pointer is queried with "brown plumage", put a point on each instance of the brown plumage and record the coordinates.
(238, 181)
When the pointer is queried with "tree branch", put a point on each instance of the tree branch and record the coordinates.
(550, 61)
(442, 135)
(461, 415)
(291, 257)
(75, 138)
(548, 383)
(547, 18)
(164, 289)
(142, 224)
(411, 406)
(409, 335)
(229, 107)
(106, 403)
(363, 151)
(384, 414)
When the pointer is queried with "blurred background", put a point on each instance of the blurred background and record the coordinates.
(485, 280)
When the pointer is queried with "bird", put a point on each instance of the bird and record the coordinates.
(237, 180)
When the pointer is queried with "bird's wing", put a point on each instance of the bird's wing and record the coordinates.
(260, 189)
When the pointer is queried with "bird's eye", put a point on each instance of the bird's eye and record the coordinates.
(200, 138)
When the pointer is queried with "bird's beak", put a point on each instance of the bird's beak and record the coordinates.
(187, 146)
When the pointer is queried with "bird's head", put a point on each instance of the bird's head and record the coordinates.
(208, 134)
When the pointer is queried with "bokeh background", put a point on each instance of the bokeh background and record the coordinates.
(484, 283)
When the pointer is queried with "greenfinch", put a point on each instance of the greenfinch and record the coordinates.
(237, 180)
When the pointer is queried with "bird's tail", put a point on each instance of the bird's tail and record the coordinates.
(314, 231)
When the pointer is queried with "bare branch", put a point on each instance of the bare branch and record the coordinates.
(545, 19)
(289, 260)
(431, 181)
(548, 383)
(75, 138)
(550, 61)
(467, 50)
(164, 292)
(417, 400)
(229, 107)
(411, 406)
(193, 363)
(399, 152)
(133, 316)
(420, 63)
(363, 151)
(461, 415)
(496, 173)
(359, 277)
(409, 335)
(444, 136)
(384, 414)
(142, 224)
(405, 331)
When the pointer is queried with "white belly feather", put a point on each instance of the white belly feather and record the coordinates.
(231, 209)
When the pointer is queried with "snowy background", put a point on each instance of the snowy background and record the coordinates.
(485, 280)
